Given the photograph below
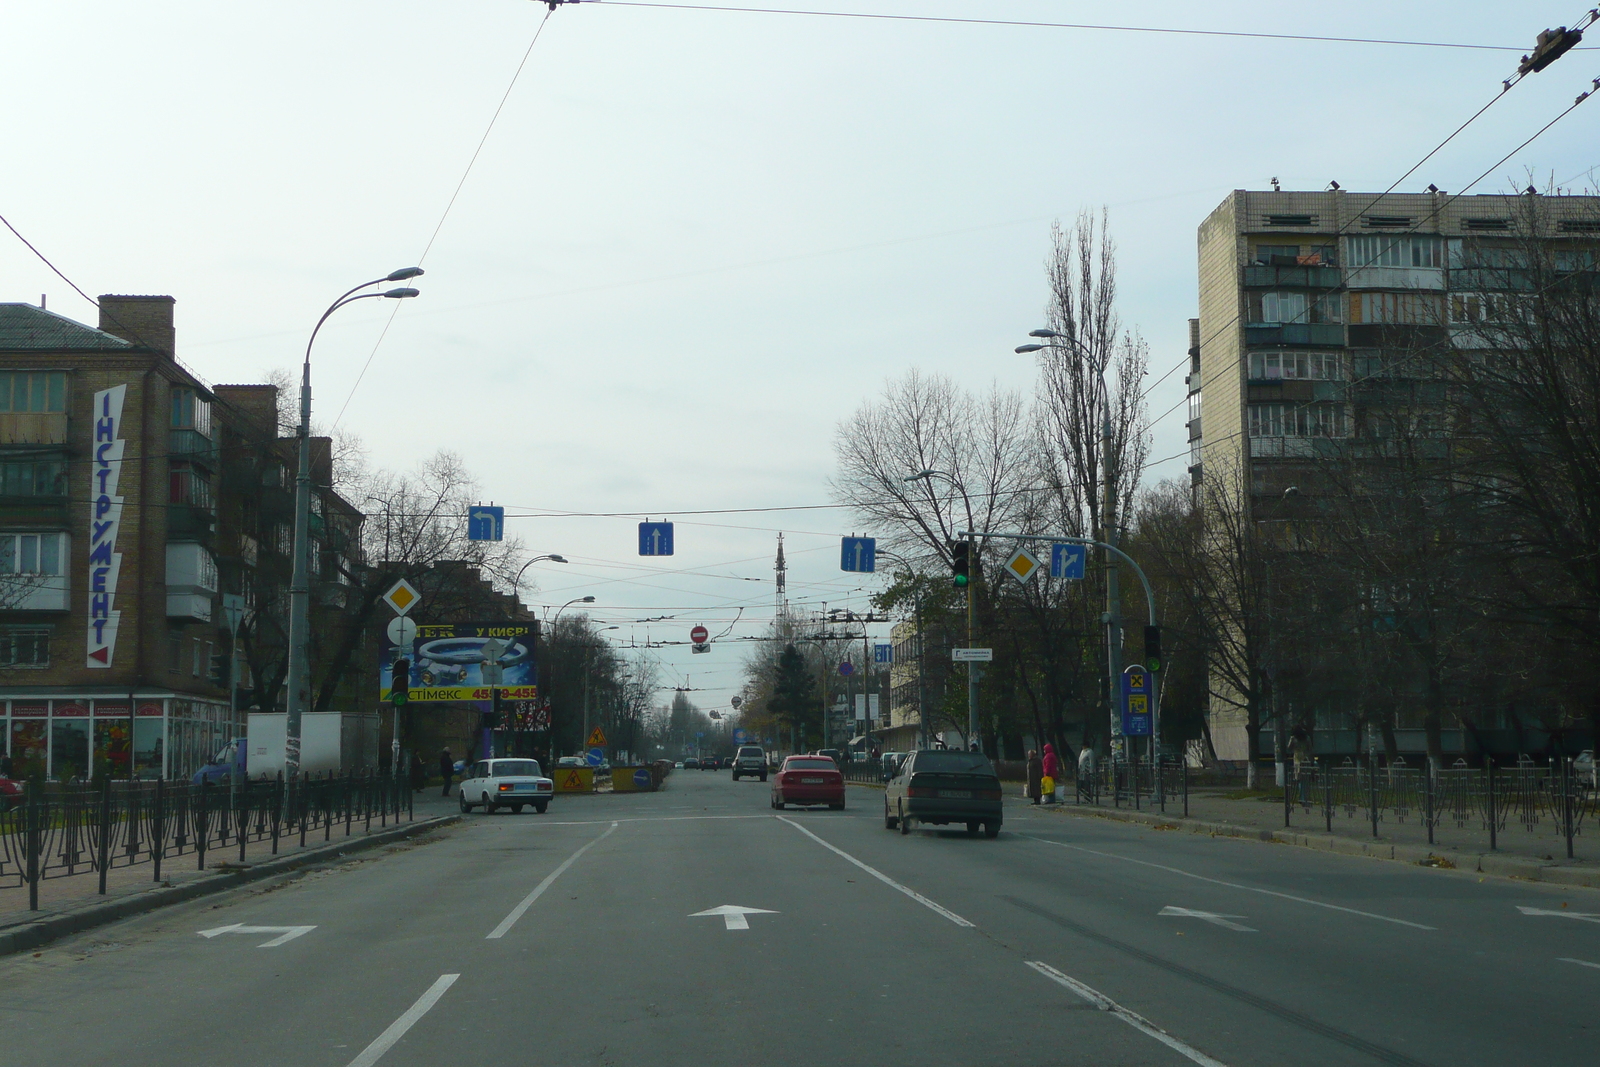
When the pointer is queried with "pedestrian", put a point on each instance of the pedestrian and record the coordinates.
(5, 766)
(1051, 769)
(447, 767)
(1035, 775)
(419, 773)
(1086, 774)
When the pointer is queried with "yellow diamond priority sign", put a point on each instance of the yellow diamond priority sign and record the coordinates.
(402, 597)
(1022, 565)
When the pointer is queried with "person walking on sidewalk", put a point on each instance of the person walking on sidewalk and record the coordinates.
(447, 767)
(1051, 769)
(1035, 775)
(419, 773)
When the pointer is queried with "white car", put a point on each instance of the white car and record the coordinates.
(506, 783)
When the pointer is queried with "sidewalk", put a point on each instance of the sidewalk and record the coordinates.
(75, 893)
(1536, 853)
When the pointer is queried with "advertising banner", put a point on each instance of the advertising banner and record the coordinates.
(467, 661)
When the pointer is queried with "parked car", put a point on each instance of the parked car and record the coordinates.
(1584, 768)
(808, 780)
(750, 762)
(891, 763)
(691, 764)
(10, 793)
(571, 761)
(834, 754)
(942, 787)
(506, 783)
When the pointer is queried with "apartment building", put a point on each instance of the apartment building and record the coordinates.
(1312, 309)
(132, 496)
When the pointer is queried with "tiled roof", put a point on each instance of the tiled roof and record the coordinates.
(25, 328)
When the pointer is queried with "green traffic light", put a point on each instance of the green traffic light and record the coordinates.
(961, 579)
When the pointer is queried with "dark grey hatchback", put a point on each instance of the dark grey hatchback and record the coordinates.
(943, 786)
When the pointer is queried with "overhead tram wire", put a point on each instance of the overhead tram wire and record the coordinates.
(451, 204)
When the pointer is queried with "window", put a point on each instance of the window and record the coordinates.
(33, 475)
(194, 657)
(1295, 307)
(1269, 255)
(1296, 420)
(1276, 255)
(31, 553)
(188, 485)
(1398, 251)
(1480, 307)
(191, 411)
(25, 647)
(1412, 309)
(1299, 366)
(33, 392)
(174, 651)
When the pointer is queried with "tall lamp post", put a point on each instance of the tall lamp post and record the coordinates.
(974, 672)
(515, 736)
(1108, 521)
(553, 620)
(922, 648)
(299, 679)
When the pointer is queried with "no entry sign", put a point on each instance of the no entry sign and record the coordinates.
(698, 635)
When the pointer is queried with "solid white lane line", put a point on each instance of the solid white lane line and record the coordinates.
(879, 875)
(1133, 1019)
(1580, 963)
(527, 901)
(1232, 885)
(660, 818)
(397, 1029)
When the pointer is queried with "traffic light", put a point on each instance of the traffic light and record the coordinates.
(1152, 647)
(218, 674)
(1551, 46)
(961, 562)
(400, 683)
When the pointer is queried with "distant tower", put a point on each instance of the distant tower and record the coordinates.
(782, 570)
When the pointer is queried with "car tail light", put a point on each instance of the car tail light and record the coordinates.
(921, 791)
(504, 788)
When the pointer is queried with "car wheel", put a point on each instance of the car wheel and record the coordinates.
(991, 829)
(777, 802)
(540, 806)
(462, 800)
(972, 827)
(904, 820)
(736, 776)
(516, 809)
(489, 806)
(763, 777)
(889, 821)
(836, 807)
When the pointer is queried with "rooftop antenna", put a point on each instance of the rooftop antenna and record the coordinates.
(782, 570)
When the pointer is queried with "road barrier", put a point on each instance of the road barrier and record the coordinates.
(56, 831)
(635, 779)
(574, 780)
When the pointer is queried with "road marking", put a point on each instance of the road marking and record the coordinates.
(1233, 885)
(1581, 916)
(733, 915)
(879, 875)
(663, 818)
(1580, 963)
(527, 901)
(1208, 916)
(397, 1029)
(1133, 1019)
(288, 933)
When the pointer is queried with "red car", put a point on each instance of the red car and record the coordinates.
(10, 793)
(807, 780)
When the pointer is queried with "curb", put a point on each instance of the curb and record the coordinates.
(1490, 863)
(30, 935)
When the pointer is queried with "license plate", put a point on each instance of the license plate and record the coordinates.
(956, 794)
(522, 787)
(811, 781)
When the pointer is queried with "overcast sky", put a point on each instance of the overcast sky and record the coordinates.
(695, 240)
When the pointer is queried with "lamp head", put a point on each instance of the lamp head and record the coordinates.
(919, 476)
(1044, 333)
(402, 294)
(1023, 350)
(404, 274)
(556, 559)
(587, 600)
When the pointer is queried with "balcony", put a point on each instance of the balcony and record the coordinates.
(35, 592)
(1294, 333)
(1394, 278)
(1292, 277)
(191, 444)
(191, 581)
(1194, 428)
(186, 522)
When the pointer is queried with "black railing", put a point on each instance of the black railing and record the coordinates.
(57, 831)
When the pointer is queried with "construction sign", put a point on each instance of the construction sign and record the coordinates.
(574, 780)
(597, 739)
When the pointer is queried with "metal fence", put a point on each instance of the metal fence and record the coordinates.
(57, 831)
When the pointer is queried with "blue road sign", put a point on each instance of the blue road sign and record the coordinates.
(847, 668)
(1066, 561)
(596, 756)
(740, 737)
(858, 553)
(486, 523)
(1138, 693)
(655, 539)
(641, 778)
(882, 652)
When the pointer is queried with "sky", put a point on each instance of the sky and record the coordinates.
(694, 240)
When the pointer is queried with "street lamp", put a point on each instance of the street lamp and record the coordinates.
(922, 649)
(973, 670)
(299, 679)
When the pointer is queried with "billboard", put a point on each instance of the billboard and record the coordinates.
(467, 661)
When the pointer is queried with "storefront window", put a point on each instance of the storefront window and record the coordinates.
(69, 748)
(112, 747)
(29, 750)
(148, 746)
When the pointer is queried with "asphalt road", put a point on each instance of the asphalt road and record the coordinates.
(572, 938)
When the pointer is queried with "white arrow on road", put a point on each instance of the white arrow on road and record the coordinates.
(1210, 917)
(734, 915)
(285, 933)
(1584, 916)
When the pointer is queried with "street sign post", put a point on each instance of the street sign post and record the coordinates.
(402, 631)
(486, 523)
(971, 655)
(858, 554)
(1137, 696)
(597, 738)
(847, 668)
(883, 653)
(402, 597)
(699, 635)
(1066, 561)
(655, 539)
(1022, 565)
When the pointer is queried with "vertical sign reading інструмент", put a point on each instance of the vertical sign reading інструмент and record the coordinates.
(105, 518)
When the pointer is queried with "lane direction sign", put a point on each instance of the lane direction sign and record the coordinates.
(882, 652)
(1209, 916)
(655, 539)
(858, 553)
(486, 523)
(596, 757)
(285, 933)
(734, 915)
(1066, 561)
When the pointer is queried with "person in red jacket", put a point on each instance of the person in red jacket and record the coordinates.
(1052, 769)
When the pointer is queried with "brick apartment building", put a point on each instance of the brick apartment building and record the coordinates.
(132, 496)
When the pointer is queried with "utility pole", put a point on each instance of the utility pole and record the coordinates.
(1113, 616)
(974, 672)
